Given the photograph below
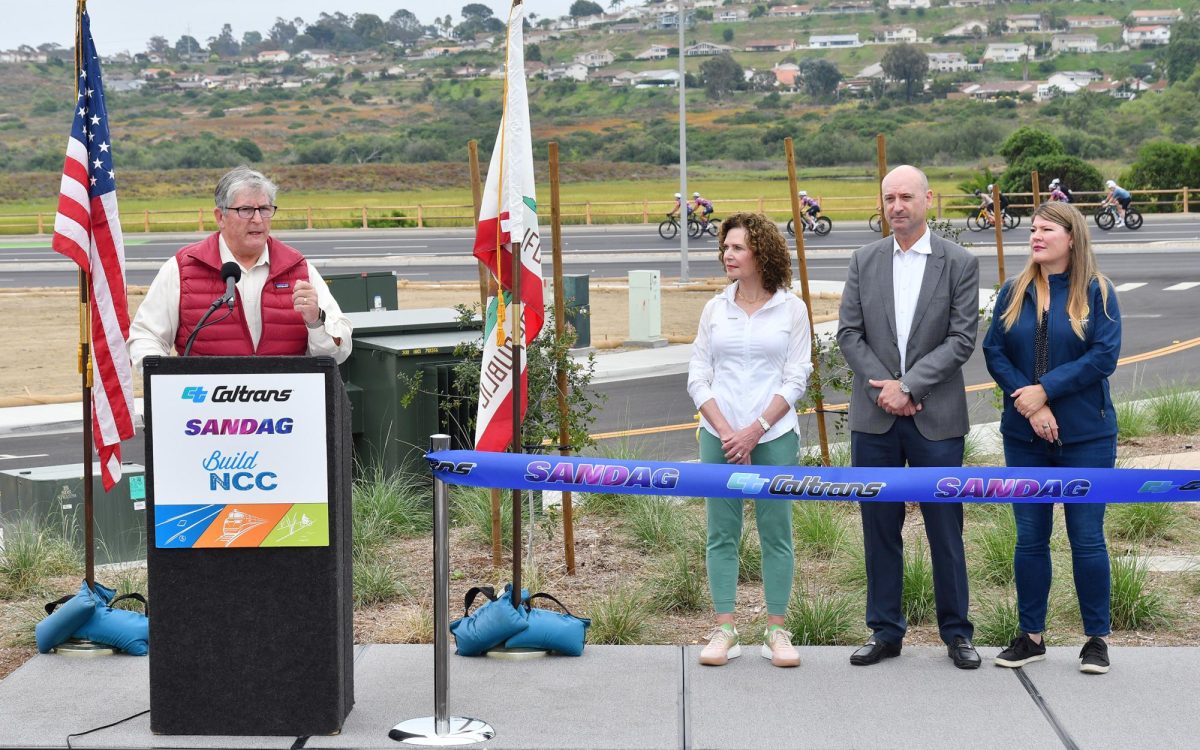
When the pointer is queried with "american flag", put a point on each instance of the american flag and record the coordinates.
(87, 230)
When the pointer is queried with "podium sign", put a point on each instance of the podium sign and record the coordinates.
(239, 460)
(248, 522)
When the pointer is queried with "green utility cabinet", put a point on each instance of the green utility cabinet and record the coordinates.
(53, 496)
(406, 355)
(577, 306)
(359, 292)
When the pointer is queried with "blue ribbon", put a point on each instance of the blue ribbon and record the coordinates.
(940, 484)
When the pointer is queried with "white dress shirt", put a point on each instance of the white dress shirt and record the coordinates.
(153, 329)
(908, 271)
(743, 360)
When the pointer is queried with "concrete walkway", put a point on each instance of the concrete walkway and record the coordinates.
(658, 697)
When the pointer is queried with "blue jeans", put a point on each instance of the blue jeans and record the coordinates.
(1085, 530)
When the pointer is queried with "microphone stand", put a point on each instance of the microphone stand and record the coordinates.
(223, 299)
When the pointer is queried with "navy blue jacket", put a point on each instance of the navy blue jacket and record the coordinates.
(1077, 380)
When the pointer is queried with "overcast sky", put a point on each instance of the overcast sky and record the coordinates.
(126, 24)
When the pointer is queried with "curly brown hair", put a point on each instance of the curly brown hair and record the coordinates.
(768, 245)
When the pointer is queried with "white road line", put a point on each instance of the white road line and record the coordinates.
(1130, 286)
(1182, 286)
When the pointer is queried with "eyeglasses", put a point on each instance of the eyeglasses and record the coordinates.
(247, 212)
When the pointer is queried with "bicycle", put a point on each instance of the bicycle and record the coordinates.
(1106, 217)
(697, 229)
(876, 222)
(983, 220)
(669, 229)
(820, 224)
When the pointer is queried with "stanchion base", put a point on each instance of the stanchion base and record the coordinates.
(80, 647)
(516, 654)
(463, 731)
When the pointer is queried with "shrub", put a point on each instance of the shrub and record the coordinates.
(1176, 412)
(32, 553)
(997, 622)
(818, 528)
(822, 619)
(619, 617)
(917, 595)
(994, 543)
(680, 583)
(656, 522)
(1138, 522)
(1134, 605)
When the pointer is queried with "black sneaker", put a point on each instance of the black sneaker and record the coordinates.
(1093, 659)
(1020, 652)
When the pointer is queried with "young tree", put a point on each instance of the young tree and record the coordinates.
(1183, 51)
(906, 62)
(223, 44)
(727, 35)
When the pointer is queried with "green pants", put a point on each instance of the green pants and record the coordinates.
(774, 519)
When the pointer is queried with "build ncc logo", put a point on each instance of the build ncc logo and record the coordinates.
(237, 395)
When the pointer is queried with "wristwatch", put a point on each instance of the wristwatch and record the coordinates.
(764, 424)
(320, 321)
(904, 389)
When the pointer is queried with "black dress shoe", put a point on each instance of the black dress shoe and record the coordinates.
(873, 652)
(963, 653)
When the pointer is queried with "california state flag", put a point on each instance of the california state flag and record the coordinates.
(508, 220)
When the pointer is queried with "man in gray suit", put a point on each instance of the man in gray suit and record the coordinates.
(908, 321)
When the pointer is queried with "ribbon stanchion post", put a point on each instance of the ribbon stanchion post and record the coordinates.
(441, 729)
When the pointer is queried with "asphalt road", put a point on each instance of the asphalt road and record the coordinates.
(1159, 292)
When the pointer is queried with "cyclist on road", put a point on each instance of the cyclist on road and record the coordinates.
(1059, 191)
(809, 208)
(985, 202)
(674, 212)
(703, 208)
(1119, 197)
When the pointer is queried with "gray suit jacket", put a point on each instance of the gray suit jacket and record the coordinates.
(940, 341)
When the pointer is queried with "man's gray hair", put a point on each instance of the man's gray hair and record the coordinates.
(241, 178)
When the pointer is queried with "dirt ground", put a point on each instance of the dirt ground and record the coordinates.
(41, 332)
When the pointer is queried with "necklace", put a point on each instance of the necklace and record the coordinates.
(749, 301)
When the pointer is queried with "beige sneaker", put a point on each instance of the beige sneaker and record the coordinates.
(722, 646)
(777, 647)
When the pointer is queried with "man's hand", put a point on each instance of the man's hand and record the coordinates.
(893, 400)
(1029, 399)
(304, 299)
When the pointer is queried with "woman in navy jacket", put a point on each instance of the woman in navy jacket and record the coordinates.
(1054, 340)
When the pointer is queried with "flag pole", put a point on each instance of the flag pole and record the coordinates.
(517, 250)
(85, 363)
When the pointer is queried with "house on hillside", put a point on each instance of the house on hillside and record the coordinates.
(968, 30)
(789, 11)
(947, 62)
(787, 75)
(998, 89)
(969, 3)
(575, 72)
(273, 56)
(731, 15)
(1066, 82)
(625, 27)
(845, 7)
(833, 41)
(1090, 22)
(705, 49)
(656, 52)
(771, 45)
(596, 58)
(1082, 43)
(1155, 17)
(651, 79)
(896, 35)
(1023, 23)
(909, 4)
(315, 59)
(1136, 36)
(669, 19)
(1008, 53)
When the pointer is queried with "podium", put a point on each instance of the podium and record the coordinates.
(248, 482)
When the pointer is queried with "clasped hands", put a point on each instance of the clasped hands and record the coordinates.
(893, 400)
(1030, 402)
(738, 445)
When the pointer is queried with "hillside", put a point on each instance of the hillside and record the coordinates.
(413, 105)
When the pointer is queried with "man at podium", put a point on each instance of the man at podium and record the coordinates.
(278, 304)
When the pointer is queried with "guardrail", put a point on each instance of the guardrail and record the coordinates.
(586, 213)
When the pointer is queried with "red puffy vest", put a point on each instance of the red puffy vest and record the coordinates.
(283, 329)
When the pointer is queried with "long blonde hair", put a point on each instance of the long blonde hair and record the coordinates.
(1081, 269)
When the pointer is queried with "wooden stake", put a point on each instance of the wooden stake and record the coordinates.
(561, 374)
(881, 158)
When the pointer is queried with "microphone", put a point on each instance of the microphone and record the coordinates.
(231, 272)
